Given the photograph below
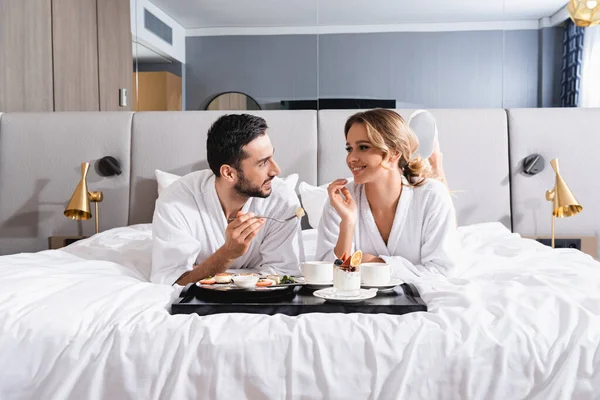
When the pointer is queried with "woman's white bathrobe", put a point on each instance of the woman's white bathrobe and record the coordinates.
(189, 226)
(423, 238)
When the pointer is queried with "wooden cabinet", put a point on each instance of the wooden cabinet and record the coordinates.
(26, 56)
(65, 55)
(115, 61)
(75, 54)
(157, 91)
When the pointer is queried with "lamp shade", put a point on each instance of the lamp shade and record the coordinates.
(584, 12)
(79, 205)
(564, 204)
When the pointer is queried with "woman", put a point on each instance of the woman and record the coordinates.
(394, 211)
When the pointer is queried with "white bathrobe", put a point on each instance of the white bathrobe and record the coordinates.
(423, 238)
(189, 226)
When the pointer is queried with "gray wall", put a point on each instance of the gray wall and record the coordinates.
(268, 68)
(551, 42)
(472, 69)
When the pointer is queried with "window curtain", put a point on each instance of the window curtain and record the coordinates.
(590, 69)
(571, 64)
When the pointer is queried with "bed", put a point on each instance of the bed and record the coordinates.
(519, 320)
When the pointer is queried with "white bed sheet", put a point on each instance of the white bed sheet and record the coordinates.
(522, 321)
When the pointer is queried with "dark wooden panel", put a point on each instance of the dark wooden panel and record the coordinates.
(75, 55)
(115, 61)
(25, 56)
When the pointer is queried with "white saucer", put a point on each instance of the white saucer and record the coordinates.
(388, 286)
(330, 295)
(317, 285)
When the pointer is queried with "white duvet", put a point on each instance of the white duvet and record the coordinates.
(522, 322)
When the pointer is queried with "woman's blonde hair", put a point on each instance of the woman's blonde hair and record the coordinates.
(389, 133)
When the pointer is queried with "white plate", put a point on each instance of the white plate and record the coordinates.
(317, 285)
(390, 285)
(330, 295)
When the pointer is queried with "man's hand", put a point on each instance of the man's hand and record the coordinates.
(239, 234)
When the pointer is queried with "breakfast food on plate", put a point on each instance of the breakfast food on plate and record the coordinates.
(278, 280)
(247, 280)
(274, 278)
(208, 281)
(287, 279)
(299, 212)
(223, 277)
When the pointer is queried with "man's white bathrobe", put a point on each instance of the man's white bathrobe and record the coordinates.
(423, 238)
(189, 226)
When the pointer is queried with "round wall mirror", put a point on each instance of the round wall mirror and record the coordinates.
(233, 101)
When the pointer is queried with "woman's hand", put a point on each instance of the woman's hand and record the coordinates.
(341, 200)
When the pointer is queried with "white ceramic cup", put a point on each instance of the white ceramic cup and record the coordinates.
(245, 281)
(346, 284)
(317, 272)
(375, 274)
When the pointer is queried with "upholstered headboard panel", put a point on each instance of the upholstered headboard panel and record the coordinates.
(573, 137)
(475, 147)
(40, 166)
(41, 154)
(176, 142)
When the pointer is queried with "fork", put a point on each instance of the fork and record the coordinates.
(274, 219)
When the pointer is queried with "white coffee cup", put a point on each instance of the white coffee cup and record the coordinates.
(375, 274)
(317, 272)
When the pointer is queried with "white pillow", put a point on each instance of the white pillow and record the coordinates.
(289, 181)
(313, 200)
(164, 179)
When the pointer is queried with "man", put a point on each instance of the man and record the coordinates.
(208, 221)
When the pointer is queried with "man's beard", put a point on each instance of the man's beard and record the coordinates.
(245, 187)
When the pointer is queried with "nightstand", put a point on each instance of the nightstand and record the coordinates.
(56, 242)
(586, 244)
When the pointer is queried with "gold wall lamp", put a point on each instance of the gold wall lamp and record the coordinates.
(79, 205)
(564, 203)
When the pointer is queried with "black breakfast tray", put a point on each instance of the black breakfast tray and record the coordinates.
(294, 300)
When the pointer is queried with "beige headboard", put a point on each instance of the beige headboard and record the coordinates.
(175, 142)
(475, 148)
(40, 158)
(572, 135)
(41, 153)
